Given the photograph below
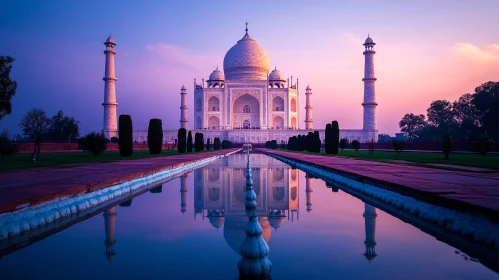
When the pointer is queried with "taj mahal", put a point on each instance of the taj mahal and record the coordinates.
(247, 101)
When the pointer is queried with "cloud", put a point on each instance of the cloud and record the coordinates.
(489, 53)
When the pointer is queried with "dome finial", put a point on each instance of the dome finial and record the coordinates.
(275, 68)
(246, 27)
(368, 36)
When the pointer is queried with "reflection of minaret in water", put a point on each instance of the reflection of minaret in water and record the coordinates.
(183, 193)
(370, 224)
(109, 221)
(308, 190)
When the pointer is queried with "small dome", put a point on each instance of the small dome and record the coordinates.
(276, 75)
(217, 221)
(276, 222)
(110, 40)
(369, 40)
(217, 75)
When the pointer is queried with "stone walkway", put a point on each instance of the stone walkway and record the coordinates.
(463, 190)
(35, 185)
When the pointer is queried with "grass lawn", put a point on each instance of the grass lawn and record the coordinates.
(21, 161)
(422, 159)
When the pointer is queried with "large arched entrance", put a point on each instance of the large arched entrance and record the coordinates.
(293, 122)
(246, 112)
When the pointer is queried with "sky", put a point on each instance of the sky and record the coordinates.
(425, 51)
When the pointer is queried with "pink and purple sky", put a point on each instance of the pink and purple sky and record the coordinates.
(426, 50)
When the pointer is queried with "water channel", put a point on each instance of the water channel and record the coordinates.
(192, 227)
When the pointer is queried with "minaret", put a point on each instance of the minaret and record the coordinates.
(370, 224)
(183, 193)
(369, 80)
(109, 222)
(110, 123)
(308, 109)
(183, 107)
(308, 191)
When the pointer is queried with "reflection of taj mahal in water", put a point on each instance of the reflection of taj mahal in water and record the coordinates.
(219, 198)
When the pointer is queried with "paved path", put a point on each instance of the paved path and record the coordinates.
(464, 190)
(36, 185)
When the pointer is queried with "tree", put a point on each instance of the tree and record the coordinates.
(63, 128)
(208, 144)
(309, 142)
(7, 86)
(446, 144)
(441, 115)
(197, 145)
(328, 139)
(189, 142)
(412, 125)
(125, 135)
(182, 141)
(356, 145)
(467, 116)
(486, 100)
(343, 143)
(35, 124)
(483, 144)
(96, 143)
(155, 136)
(335, 137)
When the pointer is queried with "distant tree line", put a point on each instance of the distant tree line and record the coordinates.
(472, 115)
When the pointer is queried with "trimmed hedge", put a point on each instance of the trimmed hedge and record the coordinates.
(155, 136)
(125, 135)
(226, 144)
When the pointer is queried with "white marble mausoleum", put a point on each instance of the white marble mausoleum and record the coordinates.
(248, 101)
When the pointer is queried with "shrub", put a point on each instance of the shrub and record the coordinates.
(226, 144)
(335, 137)
(4, 146)
(155, 136)
(356, 145)
(81, 144)
(96, 143)
(328, 146)
(398, 146)
(125, 134)
(114, 140)
(446, 144)
(483, 144)
(182, 141)
(343, 143)
(189, 142)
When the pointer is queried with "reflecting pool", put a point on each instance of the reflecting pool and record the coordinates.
(192, 227)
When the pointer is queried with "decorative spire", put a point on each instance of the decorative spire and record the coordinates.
(254, 263)
(246, 27)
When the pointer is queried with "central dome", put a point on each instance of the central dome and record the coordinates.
(246, 60)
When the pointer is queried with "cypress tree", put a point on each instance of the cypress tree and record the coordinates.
(201, 141)
(309, 142)
(196, 142)
(446, 144)
(125, 135)
(189, 142)
(208, 144)
(155, 136)
(335, 137)
(182, 142)
(317, 142)
(328, 139)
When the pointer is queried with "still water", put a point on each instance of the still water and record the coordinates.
(192, 227)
